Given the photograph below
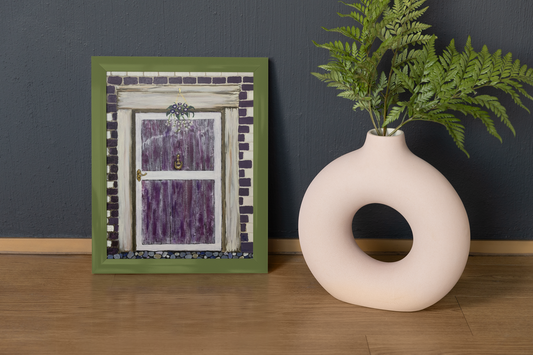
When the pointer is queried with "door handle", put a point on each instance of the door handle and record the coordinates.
(140, 174)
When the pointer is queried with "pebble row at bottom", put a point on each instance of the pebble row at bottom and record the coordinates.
(181, 255)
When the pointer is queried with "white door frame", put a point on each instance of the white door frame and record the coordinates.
(215, 175)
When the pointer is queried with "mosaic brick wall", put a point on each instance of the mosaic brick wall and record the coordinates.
(118, 80)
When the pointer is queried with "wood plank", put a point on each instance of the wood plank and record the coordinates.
(499, 317)
(52, 304)
(501, 280)
(438, 344)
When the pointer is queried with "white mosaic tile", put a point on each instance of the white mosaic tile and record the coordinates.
(150, 73)
(247, 155)
(119, 73)
(247, 200)
(248, 137)
(166, 73)
(197, 74)
(135, 73)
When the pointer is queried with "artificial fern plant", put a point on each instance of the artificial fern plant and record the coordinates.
(418, 84)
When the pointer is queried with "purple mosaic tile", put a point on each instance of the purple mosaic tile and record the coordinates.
(112, 159)
(241, 155)
(244, 238)
(204, 80)
(114, 213)
(112, 206)
(160, 80)
(241, 173)
(113, 151)
(113, 168)
(115, 184)
(175, 80)
(246, 209)
(247, 87)
(145, 80)
(112, 99)
(110, 89)
(246, 120)
(114, 221)
(245, 182)
(242, 146)
(234, 80)
(243, 95)
(246, 103)
(114, 199)
(243, 227)
(247, 247)
(189, 80)
(111, 251)
(114, 80)
(111, 142)
(242, 112)
(111, 108)
(114, 115)
(130, 80)
(111, 125)
(240, 138)
(114, 134)
(219, 80)
(245, 218)
(248, 79)
(114, 243)
(112, 177)
(113, 235)
(245, 164)
(244, 192)
(241, 201)
(244, 129)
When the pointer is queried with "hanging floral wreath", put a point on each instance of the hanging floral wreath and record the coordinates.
(178, 114)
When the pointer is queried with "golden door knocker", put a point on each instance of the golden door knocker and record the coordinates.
(178, 164)
(140, 174)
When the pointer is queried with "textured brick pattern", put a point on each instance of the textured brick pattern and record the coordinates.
(116, 80)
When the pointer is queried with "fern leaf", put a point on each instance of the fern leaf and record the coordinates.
(393, 115)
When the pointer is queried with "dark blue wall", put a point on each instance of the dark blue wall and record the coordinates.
(45, 149)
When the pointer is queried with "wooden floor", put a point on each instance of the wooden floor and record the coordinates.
(54, 305)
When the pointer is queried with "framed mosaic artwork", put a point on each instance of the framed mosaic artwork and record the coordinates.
(179, 165)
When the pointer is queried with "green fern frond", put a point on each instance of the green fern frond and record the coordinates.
(431, 86)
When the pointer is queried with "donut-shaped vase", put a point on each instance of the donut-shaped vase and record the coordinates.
(384, 171)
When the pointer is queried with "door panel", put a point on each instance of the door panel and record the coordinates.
(178, 212)
(161, 145)
(178, 205)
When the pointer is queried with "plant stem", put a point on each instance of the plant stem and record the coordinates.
(373, 122)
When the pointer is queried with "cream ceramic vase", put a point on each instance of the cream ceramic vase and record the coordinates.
(384, 171)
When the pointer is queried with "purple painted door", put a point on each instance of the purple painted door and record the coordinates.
(178, 193)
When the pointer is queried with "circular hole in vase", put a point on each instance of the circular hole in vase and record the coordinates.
(382, 232)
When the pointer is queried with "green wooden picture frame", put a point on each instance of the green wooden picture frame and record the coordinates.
(125, 88)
